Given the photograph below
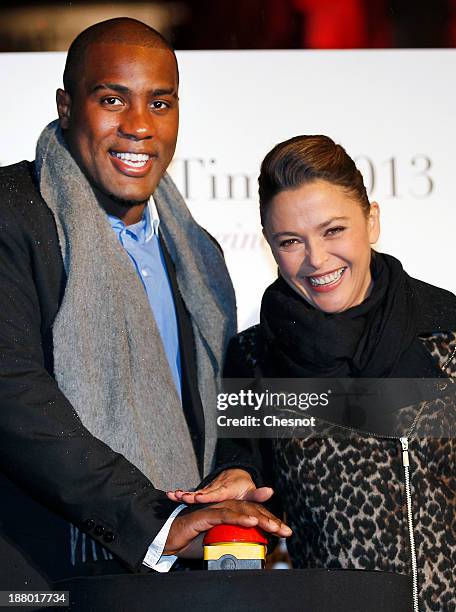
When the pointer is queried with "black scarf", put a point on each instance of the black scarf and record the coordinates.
(377, 339)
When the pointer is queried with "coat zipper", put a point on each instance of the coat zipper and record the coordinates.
(408, 496)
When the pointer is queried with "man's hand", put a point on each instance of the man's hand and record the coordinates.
(187, 530)
(229, 484)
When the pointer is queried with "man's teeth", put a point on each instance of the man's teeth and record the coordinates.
(136, 160)
(327, 279)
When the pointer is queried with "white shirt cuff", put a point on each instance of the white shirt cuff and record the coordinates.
(154, 557)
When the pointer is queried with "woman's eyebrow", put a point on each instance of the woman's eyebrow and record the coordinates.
(320, 226)
(286, 233)
(329, 221)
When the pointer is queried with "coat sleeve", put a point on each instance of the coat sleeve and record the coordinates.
(255, 455)
(44, 447)
(250, 454)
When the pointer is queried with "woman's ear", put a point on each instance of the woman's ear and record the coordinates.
(373, 223)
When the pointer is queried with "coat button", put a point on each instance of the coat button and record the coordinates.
(109, 537)
(99, 530)
(88, 524)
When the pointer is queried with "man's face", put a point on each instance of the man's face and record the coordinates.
(121, 122)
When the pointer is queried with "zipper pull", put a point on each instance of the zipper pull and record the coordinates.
(405, 455)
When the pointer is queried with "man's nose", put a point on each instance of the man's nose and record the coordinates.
(316, 255)
(137, 123)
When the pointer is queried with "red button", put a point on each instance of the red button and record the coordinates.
(233, 533)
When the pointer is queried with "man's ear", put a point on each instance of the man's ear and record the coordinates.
(63, 100)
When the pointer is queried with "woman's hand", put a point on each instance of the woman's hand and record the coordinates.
(229, 484)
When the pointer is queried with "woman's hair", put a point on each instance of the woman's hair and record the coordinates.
(304, 159)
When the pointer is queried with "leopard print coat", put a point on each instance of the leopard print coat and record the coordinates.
(345, 499)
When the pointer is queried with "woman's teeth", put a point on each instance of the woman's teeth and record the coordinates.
(135, 160)
(318, 281)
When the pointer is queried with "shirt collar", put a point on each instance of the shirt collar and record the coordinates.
(148, 224)
(152, 218)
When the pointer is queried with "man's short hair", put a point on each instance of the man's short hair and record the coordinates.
(121, 30)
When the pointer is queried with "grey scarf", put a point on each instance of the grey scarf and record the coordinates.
(108, 353)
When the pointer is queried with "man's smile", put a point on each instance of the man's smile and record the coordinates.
(132, 164)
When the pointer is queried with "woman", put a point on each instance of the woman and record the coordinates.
(339, 310)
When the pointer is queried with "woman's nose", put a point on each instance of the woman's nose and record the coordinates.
(316, 255)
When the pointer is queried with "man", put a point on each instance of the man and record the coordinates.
(116, 312)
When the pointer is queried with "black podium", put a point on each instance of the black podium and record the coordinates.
(241, 591)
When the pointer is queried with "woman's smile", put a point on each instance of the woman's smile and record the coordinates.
(327, 281)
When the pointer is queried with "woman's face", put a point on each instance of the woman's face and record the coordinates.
(321, 240)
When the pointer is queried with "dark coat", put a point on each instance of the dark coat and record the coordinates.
(53, 472)
(345, 497)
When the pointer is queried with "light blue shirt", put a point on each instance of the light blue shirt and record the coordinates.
(143, 246)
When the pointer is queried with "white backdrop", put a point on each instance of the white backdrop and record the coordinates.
(392, 110)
